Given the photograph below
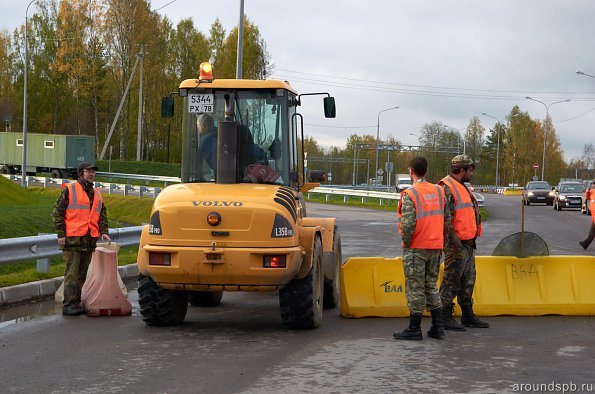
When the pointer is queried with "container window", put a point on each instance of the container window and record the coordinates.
(19, 142)
(48, 144)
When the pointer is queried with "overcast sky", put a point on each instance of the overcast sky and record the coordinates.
(443, 61)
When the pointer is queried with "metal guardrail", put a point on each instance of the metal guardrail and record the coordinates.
(363, 194)
(110, 188)
(46, 246)
(157, 178)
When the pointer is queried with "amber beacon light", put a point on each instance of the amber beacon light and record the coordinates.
(206, 72)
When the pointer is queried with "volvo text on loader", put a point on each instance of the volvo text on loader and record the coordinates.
(237, 222)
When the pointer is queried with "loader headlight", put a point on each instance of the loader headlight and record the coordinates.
(213, 218)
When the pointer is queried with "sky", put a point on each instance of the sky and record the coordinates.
(444, 61)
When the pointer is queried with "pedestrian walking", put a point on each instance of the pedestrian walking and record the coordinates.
(590, 195)
(421, 225)
(80, 219)
(462, 227)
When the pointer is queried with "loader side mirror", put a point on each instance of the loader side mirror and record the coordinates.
(167, 107)
(330, 110)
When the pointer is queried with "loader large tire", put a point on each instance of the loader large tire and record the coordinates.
(332, 272)
(160, 307)
(301, 300)
(205, 298)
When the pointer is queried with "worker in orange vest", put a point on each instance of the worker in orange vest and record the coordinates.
(590, 196)
(80, 219)
(421, 225)
(462, 227)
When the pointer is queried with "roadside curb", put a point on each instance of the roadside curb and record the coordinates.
(25, 292)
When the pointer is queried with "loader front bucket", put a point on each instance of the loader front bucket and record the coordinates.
(505, 285)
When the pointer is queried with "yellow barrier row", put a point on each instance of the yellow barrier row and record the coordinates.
(511, 192)
(531, 286)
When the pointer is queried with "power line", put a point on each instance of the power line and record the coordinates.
(413, 92)
(425, 86)
(340, 127)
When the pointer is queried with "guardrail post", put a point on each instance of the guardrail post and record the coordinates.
(126, 189)
(327, 197)
(344, 199)
(363, 200)
(381, 201)
(43, 265)
(156, 191)
(141, 190)
(46, 181)
(112, 188)
(309, 195)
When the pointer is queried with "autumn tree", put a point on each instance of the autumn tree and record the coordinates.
(255, 59)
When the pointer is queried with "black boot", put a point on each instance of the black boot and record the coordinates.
(449, 321)
(72, 310)
(413, 332)
(437, 329)
(470, 320)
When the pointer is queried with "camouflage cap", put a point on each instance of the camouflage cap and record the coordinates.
(84, 166)
(462, 160)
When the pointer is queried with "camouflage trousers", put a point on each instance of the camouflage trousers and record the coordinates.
(458, 279)
(77, 262)
(421, 267)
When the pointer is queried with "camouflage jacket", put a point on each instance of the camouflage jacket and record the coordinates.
(409, 218)
(84, 243)
(452, 243)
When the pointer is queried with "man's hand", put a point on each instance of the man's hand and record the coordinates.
(105, 237)
(62, 241)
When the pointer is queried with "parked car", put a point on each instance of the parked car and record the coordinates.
(588, 196)
(538, 192)
(568, 195)
(480, 199)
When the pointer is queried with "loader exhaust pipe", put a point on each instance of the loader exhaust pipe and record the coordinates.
(227, 145)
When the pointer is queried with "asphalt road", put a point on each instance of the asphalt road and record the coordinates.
(241, 347)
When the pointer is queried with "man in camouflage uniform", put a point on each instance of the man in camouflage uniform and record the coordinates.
(421, 223)
(459, 250)
(78, 249)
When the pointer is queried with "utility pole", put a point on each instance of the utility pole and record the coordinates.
(240, 41)
(139, 135)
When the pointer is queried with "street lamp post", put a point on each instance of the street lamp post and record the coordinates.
(497, 149)
(547, 114)
(585, 74)
(24, 166)
(378, 137)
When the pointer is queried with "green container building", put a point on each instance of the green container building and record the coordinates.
(58, 154)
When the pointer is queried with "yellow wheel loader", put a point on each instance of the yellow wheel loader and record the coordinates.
(237, 221)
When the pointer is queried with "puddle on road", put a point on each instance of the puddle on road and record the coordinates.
(35, 310)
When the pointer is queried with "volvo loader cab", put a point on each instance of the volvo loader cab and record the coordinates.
(237, 221)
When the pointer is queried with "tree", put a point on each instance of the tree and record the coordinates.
(588, 158)
(255, 59)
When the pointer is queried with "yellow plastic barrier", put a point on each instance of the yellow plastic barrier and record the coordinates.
(513, 192)
(531, 286)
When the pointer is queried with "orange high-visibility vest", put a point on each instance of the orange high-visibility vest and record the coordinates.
(429, 211)
(464, 221)
(592, 207)
(79, 218)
